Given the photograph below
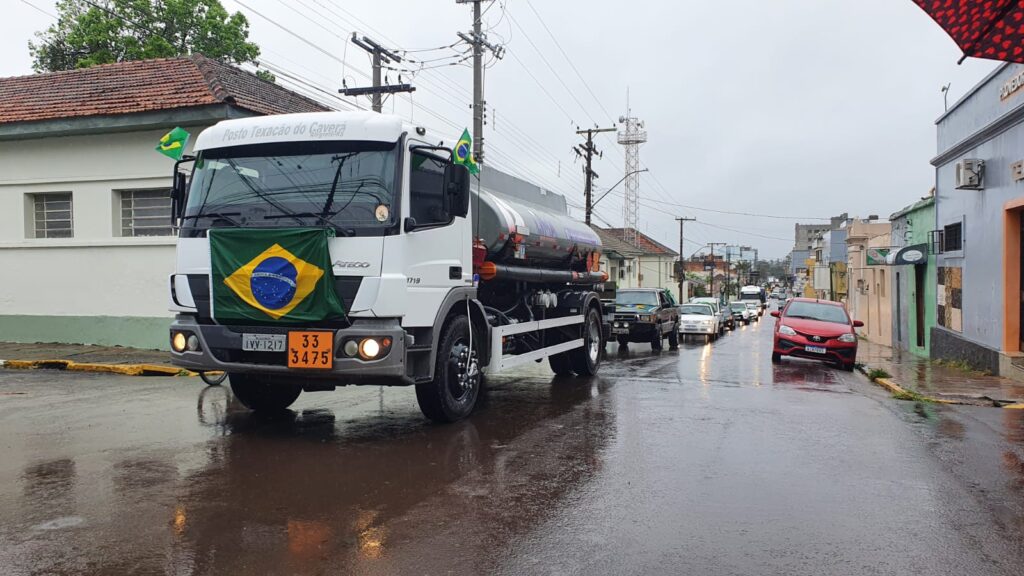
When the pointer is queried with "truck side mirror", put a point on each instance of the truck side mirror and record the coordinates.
(179, 190)
(456, 186)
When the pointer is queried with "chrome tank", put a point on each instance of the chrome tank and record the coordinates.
(516, 231)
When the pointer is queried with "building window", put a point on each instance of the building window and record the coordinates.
(52, 215)
(953, 237)
(146, 213)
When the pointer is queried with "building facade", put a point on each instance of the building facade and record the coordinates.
(85, 217)
(979, 202)
(656, 264)
(869, 298)
(913, 275)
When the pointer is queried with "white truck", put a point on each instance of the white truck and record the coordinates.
(436, 278)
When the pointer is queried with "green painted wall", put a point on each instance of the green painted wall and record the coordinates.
(136, 332)
(922, 221)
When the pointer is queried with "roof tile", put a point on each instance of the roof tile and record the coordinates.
(143, 86)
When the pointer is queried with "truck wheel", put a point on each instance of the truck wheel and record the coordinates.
(263, 393)
(560, 364)
(623, 341)
(673, 338)
(586, 360)
(452, 394)
(656, 340)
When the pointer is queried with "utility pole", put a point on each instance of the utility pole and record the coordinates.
(380, 56)
(714, 266)
(682, 266)
(479, 41)
(588, 153)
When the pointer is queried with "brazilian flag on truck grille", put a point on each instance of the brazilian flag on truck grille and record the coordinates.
(269, 275)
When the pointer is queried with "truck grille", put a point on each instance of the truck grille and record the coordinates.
(345, 287)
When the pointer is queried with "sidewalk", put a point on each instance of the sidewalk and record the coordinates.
(928, 378)
(130, 361)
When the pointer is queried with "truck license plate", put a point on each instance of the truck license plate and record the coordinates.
(263, 342)
(620, 330)
(311, 350)
(815, 349)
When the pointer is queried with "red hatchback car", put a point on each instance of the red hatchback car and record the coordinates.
(816, 329)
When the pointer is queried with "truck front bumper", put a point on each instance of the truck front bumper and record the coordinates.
(220, 348)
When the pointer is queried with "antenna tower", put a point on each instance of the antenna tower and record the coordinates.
(632, 135)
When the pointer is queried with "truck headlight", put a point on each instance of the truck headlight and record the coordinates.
(786, 330)
(847, 338)
(369, 348)
(646, 318)
(179, 341)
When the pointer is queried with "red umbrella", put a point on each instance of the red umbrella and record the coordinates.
(982, 28)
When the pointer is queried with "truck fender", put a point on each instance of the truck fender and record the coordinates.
(580, 301)
(455, 304)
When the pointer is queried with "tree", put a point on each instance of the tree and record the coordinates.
(91, 32)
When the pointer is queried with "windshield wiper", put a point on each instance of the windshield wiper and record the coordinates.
(226, 216)
(329, 203)
(342, 231)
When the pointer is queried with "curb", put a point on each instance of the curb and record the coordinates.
(123, 369)
(902, 393)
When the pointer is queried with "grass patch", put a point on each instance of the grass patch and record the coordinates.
(875, 373)
(912, 396)
(961, 366)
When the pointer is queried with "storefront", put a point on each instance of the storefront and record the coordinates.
(979, 181)
(913, 277)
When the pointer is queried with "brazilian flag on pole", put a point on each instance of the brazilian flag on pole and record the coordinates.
(173, 143)
(268, 275)
(464, 153)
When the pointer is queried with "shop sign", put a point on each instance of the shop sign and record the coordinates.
(876, 256)
(1012, 85)
(916, 254)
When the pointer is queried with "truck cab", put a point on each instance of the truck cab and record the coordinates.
(394, 297)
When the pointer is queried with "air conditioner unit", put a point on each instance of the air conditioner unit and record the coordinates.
(970, 174)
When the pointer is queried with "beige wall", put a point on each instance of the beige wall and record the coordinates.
(870, 287)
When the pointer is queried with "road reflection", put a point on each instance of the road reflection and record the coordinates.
(303, 490)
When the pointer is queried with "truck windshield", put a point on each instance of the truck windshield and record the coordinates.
(634, 298)
(349, 186)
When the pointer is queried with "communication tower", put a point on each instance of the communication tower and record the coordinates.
(632, 135)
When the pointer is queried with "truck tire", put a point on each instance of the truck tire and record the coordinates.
(560, 364)
(263, 393)
(586, 360)
(452, 394)
(657, 338)
(623, 341)
(673, 338)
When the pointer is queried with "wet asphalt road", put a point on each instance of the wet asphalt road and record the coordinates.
(709, 460)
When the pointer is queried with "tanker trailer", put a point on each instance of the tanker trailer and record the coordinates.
(346, 248)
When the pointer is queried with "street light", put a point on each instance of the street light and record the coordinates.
(621, 180)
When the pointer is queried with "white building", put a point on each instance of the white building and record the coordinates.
(86, 245)
(656, 263)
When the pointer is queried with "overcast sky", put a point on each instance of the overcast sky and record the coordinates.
(805, 108)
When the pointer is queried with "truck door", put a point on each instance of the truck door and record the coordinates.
(437, 249)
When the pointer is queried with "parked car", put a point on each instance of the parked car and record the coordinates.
(740, 312)
(724, 317)
(755, 309)
(816, 329)
(645, 315)
(699, 320)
